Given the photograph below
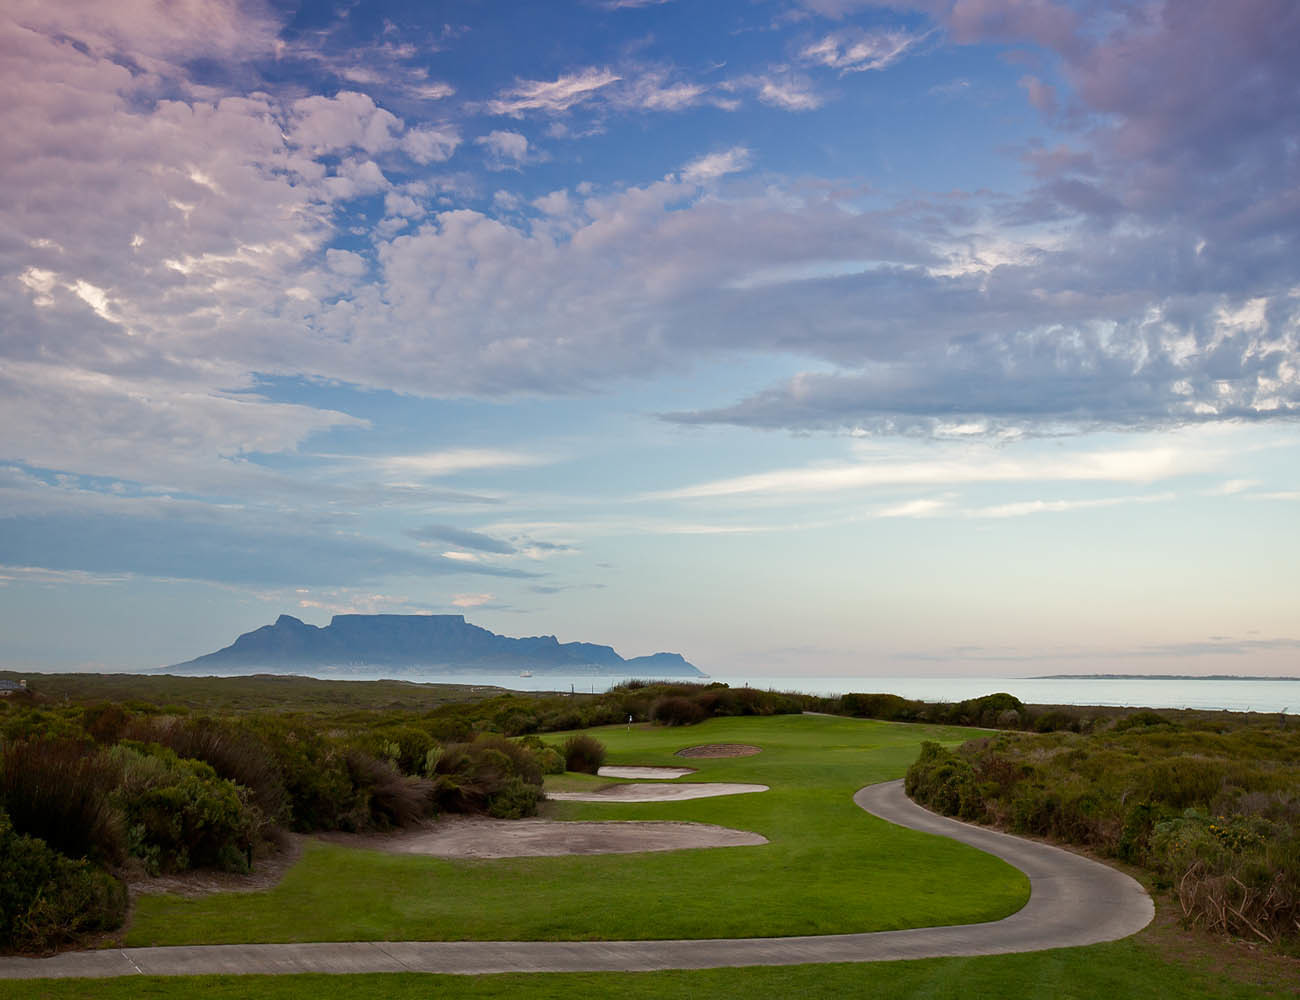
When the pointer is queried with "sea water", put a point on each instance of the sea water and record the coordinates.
(1234, 694)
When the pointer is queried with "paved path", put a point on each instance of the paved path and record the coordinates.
(1073, 901)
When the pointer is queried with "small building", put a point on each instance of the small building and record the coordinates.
(11, 687)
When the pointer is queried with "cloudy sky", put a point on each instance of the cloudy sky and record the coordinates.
(809, 336)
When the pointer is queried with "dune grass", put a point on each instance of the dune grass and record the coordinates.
(1123, 969)
(829, 867)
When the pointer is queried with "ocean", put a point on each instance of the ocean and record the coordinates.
(1235, 694)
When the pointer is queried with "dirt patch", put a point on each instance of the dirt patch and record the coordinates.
(637, 792)
(638, 771)
(266, 874)
(720, 750)
(480, 837)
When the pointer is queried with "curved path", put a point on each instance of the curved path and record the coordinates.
(1073, 901)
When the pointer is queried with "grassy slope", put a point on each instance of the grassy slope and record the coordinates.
(829, 868)
(1120, 970)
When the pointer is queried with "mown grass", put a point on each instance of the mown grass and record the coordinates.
(1120, 970)
(830, 868)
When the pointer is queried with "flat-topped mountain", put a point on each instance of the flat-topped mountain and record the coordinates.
(426, 643)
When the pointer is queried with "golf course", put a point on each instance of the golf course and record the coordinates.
(828, 868)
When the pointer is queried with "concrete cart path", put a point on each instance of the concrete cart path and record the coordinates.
(1073, 901)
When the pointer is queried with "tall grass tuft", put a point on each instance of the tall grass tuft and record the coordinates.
(584, 753)
(58, 791)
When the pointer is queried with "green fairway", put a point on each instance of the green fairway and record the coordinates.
(830, 868)
(1124, 969)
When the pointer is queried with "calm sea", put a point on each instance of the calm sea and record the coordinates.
(1233, 695)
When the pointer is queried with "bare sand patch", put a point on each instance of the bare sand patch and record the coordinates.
(720, 750)
(640, 771)
(481, 837)
(638, 792)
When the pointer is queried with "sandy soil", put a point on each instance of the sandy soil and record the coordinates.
(266, 874)
(656, 793)
(480, 837)
(720, 750)
(638, 771)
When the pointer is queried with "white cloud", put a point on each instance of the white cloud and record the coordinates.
(551, 96)
(451, 462)
(715, 165)
(433, 144)
(789, 93)
(472, 600)
(853, 51)
(505, 149)
(346, 121)
(1139, 465)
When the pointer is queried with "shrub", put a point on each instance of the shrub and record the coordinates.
(234, 752)
(47, 898)
(674, 710)
(59, 792)
(391, 799)
(316, 778)
(180, 815)
(583, 752)
(489, 774)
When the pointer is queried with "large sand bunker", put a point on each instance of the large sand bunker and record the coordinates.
(638, 792)
(640, 771)
(479, 837)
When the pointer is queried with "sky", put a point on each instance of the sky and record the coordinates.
(814, 337)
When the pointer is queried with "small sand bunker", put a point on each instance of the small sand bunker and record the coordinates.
(638, 771)
(479, 837)
(720, 750)
(656, 793)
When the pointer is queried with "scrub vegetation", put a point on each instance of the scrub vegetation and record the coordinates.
(1212, 813)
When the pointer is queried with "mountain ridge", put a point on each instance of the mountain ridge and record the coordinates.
(429, 643)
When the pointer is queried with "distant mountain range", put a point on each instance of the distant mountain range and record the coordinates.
(417, 644)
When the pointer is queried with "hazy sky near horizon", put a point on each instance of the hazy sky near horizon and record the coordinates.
(814, 336)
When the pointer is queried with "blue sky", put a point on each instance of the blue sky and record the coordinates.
(798, 336)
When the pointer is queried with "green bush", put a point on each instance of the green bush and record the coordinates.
(583, 753)
(234, 751)
(319, 786)
(489, 774)
(180, 815)
(46, 898)
(1213, 815)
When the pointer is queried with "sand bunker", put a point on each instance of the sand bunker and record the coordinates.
(720, 750)
(479, 837)
(656, 793)
(638, 771)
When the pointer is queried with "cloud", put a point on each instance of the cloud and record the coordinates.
(220, 551)
(856, 51)
(715, 165)
(790, 93)
(459, 537)
(451, 462)
(472, 600)
(551, 96)
(1138, 465)
(506, 150)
